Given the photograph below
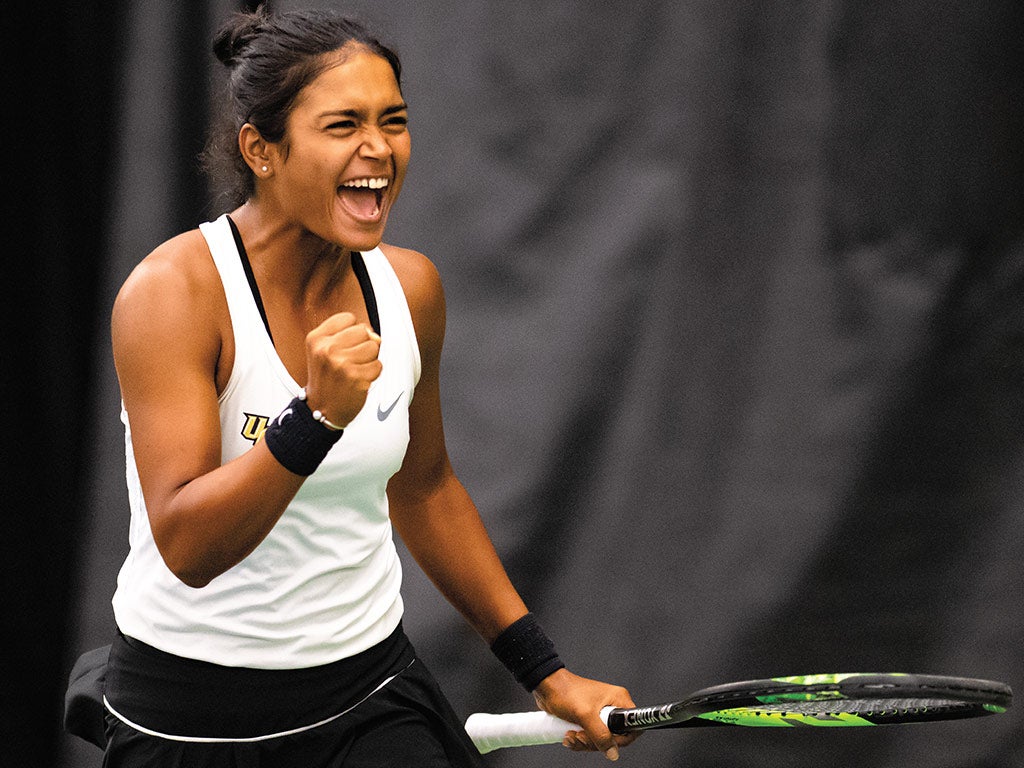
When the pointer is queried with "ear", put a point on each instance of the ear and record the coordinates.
(256, 151)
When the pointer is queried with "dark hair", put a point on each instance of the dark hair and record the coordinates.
(270, 58)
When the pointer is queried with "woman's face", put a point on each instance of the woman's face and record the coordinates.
(345, 152)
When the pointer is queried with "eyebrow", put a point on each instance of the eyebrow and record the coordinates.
(401, 107)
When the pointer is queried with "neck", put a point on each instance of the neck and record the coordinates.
(291, 259)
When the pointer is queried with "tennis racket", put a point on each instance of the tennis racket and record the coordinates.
(830, 700)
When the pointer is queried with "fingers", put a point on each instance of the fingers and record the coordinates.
(625, 739)
(581, 700)
(339, 352)
(596, 737)
(342, 331)
(341, 338)
(597, 733)
(600, 735)
(344, 356)
(342, 362)
(344, 322)
(578, 741)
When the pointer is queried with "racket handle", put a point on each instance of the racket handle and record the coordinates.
(519, 729)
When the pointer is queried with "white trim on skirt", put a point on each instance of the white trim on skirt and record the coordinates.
(266, 737)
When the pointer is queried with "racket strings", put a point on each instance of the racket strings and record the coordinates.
(952, 694)
(865, 706)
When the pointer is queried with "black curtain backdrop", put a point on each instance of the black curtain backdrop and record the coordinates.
(735, 363)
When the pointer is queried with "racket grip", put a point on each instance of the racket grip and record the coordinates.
(518, 729)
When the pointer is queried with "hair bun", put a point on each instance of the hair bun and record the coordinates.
(236, 34)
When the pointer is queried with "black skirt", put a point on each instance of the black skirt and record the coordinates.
(379, 708)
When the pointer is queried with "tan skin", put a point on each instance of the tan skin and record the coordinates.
(348, 124)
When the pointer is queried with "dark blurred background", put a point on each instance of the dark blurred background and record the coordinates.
(735, 365)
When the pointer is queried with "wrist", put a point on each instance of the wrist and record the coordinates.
(527, 652)
(320, 417)
(551, 685)
(298, 440)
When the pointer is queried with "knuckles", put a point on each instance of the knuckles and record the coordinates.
(342, 360)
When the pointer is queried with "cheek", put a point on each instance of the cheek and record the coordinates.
(402, 151)
(313, 176)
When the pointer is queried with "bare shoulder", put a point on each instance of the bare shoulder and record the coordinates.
(172, 295)
(181, 265)
(415, 271)
(423, 290)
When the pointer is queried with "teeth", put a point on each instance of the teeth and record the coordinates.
(367, 183)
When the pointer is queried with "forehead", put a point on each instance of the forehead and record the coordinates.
(353, 77)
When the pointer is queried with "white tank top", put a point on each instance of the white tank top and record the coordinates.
(325, 583)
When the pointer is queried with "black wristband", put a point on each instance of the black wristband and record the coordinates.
(297, 440)
(527, 652)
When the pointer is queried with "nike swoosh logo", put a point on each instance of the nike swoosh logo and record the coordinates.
(382, 415)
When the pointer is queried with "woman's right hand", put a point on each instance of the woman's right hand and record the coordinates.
(341, 364)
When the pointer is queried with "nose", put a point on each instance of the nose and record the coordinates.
(375, 144)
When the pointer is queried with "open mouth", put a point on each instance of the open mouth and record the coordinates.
(363, 197)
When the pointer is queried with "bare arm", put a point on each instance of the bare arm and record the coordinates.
(442, 528)
(168, 326)
(430, 508)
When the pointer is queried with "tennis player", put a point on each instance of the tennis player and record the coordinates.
(279, 374)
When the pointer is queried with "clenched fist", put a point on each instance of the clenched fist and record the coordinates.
(341, 364)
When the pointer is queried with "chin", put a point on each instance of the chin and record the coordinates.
(359, 236)
(363, 242)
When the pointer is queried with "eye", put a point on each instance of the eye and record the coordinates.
(397, 121)
(341, 125)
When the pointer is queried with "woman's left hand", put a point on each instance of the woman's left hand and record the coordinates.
(580, 700)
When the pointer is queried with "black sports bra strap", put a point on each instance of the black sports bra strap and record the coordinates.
(358, 266)
(247, 267)
(369, 297)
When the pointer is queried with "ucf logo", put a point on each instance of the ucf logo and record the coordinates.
(254, 427)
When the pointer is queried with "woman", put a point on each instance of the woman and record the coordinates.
(279, 374)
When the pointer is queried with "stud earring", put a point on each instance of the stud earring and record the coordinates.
(264, 169)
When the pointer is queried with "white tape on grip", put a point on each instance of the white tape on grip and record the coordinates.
(519, 729)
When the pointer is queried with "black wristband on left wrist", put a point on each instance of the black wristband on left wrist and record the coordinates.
(527, 652)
